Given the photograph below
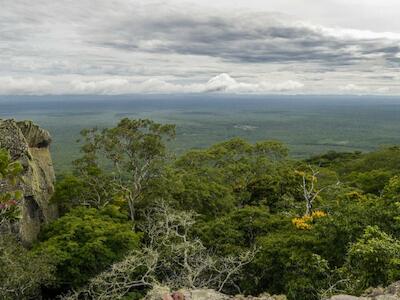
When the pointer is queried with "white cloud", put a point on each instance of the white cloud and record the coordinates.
(362, 90)
(383, 90)
(353, 88)
(225, 83)
(289, 85)
(222, 83)
(106, 86)
(155, 85)
(24, 85)
(118, 86)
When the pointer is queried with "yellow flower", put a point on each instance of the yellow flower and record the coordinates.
(299, 173)
(302, 223)
(319, 214)
(305, 222)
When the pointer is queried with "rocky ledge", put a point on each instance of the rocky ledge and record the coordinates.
(29, 144)
(164, 293)
(392, 292)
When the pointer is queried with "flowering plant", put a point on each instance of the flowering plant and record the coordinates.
(9, 198)
(305, 222)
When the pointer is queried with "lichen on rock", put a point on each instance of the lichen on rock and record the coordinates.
(164, 293)
(29, 144)
(392, 292)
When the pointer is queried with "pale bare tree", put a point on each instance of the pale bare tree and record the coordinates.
(310, 189)
(334, 286)
(184, 260)
(172, 257)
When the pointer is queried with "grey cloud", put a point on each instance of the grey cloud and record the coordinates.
(161, 28)
(95, 42)
(242, 40)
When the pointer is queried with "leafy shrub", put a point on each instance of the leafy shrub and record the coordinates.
(374, 259)
(22, 272)
(85, 241)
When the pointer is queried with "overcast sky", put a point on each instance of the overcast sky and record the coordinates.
(185, 46)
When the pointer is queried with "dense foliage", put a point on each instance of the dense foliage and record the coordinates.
(85, 241)
(324, 225)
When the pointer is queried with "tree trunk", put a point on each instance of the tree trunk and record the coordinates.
(308, 208)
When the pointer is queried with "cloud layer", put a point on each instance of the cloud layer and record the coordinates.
(222, 83)
(133, 46)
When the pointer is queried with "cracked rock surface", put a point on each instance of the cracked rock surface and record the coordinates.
(29, 144)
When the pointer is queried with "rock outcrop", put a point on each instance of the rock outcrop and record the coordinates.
(164, 293)
(29, 144)
(392, 292)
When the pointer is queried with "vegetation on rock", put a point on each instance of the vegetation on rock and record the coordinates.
(9, 196)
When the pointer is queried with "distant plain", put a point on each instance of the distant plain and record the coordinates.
(307, 124)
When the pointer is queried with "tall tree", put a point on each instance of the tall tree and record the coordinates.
(133, 151)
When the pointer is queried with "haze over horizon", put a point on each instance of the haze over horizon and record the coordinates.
(185, 46)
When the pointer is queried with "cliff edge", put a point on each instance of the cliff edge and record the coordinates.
(29, 144)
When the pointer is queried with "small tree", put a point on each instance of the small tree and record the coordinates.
(374, 259)
(310, 189)
(133, 151)
(9, 196)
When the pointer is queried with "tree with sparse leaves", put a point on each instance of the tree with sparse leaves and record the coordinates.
(131, 153)
(171, 256)
(309, 186)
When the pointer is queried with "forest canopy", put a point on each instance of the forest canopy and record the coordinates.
(238, 217)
